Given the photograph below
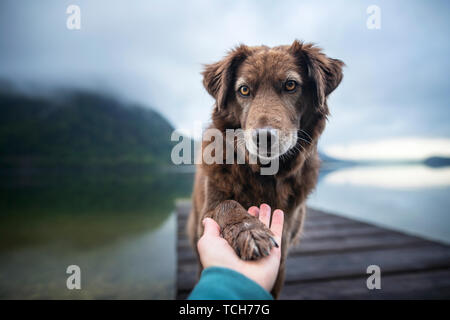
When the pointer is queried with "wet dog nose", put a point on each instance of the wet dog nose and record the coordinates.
(265, 138)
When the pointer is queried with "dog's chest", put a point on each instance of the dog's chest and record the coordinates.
(277, 193)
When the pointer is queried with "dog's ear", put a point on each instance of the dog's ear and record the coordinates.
(218, 77)
(324, 74)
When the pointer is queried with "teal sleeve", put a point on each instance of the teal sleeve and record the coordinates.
(218, 283)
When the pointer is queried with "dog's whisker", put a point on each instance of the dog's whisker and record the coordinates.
(306, 134)
(309, 142)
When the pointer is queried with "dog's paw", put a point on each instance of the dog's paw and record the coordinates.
(251, 239)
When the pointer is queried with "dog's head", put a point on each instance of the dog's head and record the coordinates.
(272, 93)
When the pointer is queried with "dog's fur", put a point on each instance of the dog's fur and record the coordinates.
(224, 192)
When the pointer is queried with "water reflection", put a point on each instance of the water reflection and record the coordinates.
(117, 226)
(393, 177)
(409, 198)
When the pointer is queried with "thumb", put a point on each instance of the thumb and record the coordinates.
(210, 227)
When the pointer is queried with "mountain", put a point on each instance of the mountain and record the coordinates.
(80, 128)
(326, 158)
(437, 162)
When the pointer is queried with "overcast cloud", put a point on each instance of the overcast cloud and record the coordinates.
(151, 52)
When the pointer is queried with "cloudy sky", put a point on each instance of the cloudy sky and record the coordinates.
(395, 86)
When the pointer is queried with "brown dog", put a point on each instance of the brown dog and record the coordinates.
(280, 92)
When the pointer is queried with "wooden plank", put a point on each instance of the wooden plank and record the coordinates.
(182, 295)
(186, 276)
(341, 232)
(323, 246)
(183, 208)
(421, 285)
(312, 215)
(341, 265)
(356, 243)
(349, 264)
(329, 232)
(332, 258)
(323, 222)
(310, 224)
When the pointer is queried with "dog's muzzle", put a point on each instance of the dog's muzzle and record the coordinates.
(268, 143)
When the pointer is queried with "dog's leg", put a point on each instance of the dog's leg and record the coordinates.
(246, 234)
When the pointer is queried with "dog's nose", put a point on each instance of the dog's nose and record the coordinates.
(265, 138)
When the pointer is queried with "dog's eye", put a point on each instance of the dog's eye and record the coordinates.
(290, 85)
(244, 91)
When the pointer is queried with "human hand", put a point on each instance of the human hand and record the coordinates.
(215, 250)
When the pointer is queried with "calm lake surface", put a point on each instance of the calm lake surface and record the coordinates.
(410, 198)
(119, 226)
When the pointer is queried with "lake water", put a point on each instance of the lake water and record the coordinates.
(410, 198)
(119, 227)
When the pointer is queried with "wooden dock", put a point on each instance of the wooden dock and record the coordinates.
(332, 259)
